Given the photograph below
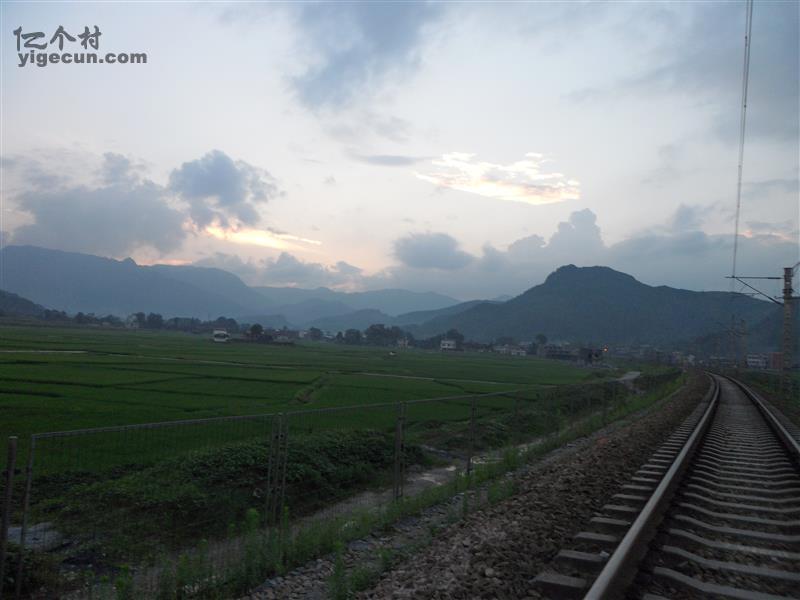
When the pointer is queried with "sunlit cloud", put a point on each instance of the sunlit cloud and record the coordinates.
(258, 237)
(521, 181)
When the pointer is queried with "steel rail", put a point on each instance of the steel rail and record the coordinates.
(786, 438)
(623, 562)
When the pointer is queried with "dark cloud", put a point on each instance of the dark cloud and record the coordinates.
(431, 251)
(218, 188)
(120, 215)
(358, 43)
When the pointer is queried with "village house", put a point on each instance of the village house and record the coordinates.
(446, 345)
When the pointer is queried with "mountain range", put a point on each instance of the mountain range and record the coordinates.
(586, 304)
(75, 282)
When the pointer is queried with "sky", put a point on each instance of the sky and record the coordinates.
(464, 148)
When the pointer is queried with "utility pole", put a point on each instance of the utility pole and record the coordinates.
(786, 383)
(743, 333)
(732, 332)
(788, 338)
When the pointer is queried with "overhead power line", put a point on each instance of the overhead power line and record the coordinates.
(742, 122)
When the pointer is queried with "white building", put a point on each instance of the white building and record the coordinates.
(510, 349)
(220, 335)
(447, 345)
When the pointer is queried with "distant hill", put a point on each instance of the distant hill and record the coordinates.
(423, 316)
(269, 321)
(306, 311)
(391, 301)
(600, 305)
(360, 319)
(17, 306)
(75, 282)
(216, 282)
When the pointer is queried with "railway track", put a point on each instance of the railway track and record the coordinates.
(714, 513)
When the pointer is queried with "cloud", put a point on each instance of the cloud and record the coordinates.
(287, 270)
(430, 251)
(357, 45)
(579, 236)
(267, 238)
(678, 254)
(521, 181)
(217, 188)
(701, 58)
(389, 160)
(116, 217)
(117, 167)
(688, 217)
(116, 210)
(354, 125)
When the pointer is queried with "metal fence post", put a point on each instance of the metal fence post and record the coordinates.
(399, 448)
(270, 470)
(284, 463)
(571, 405)
(26, 502)
(472, 432)
(276, 470)
(11, 463)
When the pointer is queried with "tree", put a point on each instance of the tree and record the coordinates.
(456, 335)
(225, 323)
(154, 321)
(315, 334)
(256, 330)
(141, 320)
(375, 335)
(352, 336)
(541, 339)
(339, 337)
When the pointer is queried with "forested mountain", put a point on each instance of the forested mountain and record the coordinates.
(600, 305)
(17, 306)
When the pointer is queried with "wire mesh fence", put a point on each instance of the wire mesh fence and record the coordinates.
(211, 506)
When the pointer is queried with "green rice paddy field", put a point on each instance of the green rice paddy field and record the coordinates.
(62, 378)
